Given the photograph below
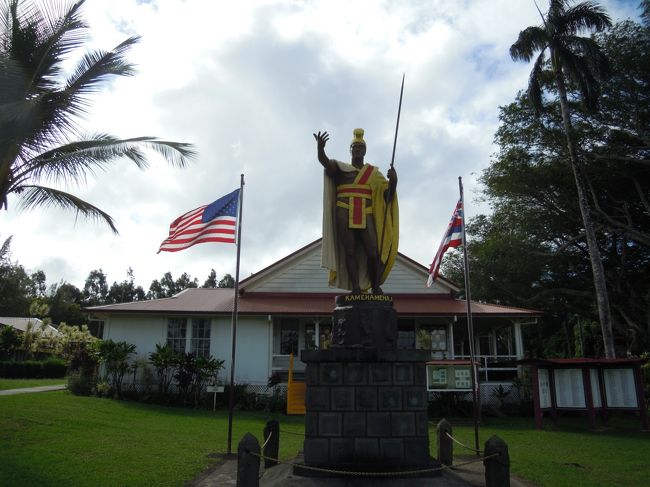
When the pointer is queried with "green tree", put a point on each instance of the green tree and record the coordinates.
(42, 104)
(227, 281)
(38, 288)
(15, 285)
(65, 303)
(577, 60)
(530, 251)
(10, 341)
(125, 291)
(167, 287)
(211, 281)
(95, 289)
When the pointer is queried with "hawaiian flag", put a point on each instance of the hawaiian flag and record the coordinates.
(215, 222)
(453, 238)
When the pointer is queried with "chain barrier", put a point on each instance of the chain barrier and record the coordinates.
(372, 474)
(461, 444)
(292, 433)
(267, 440)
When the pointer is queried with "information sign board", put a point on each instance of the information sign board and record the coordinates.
(449, 377)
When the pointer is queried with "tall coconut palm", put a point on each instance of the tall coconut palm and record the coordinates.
(42, 106)
(580, 61)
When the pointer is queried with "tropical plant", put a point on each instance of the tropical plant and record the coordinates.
(578, 60)
(165, 361)
(115, 358)
(193, 373)
(77, 347)
(42, 104)
(501, 394)
(424, 339)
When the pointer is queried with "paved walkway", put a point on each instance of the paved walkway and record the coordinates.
(224, 473)
(27, 390)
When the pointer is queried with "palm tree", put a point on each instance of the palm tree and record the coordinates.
(580, 61)
(42, 105)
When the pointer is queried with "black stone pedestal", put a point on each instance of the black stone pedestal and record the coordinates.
(366, 407)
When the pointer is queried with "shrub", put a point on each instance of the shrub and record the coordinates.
(33, 369)
(54, 368)
(193, 373)
(103, 389)
(451, 404)
(9, 342)
(115, 357)
(165, 361)
(80, 383)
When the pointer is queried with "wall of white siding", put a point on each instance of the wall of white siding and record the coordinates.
(252, 353)
(306, 275)
(142, 331)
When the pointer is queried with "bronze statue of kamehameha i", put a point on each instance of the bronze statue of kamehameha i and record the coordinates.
(360, 219)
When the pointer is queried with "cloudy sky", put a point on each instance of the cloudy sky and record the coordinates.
(248, 82)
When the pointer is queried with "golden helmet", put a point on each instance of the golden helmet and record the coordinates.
(358, 137)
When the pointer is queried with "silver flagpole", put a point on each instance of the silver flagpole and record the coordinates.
(470, 326)
(231, 400)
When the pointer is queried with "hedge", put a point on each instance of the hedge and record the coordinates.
(52, 368)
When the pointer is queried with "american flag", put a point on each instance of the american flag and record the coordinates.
(453, 238)
(215, 222)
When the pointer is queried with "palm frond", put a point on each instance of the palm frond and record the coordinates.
(530, 41)
(41, 38)
(95, 66)
(590, 51)
(585, 16)
(4, 249)
(40, 196)
(73, 161)
(577, 71)
(534, 87)
(645, 14)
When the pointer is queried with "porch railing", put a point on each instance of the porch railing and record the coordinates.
(281, 363)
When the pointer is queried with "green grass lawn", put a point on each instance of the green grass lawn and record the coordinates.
(568, 453)
(56, 438)
(21, 383)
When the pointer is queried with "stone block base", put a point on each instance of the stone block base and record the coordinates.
(366, 410)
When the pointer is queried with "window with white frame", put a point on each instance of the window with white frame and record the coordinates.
(191, 335)
(200, 343)
(176, 334)
(439, 339)
(318, 334)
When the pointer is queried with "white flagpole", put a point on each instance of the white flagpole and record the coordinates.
(470, 326)
(231, 400)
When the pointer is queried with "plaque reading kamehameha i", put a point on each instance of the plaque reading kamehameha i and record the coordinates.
(364, 321)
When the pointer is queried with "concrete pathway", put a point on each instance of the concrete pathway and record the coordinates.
(224, 473)
(27, 390)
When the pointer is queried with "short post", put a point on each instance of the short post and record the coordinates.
(445, 444)
(248, 462)
(271, 443)
(497, 469)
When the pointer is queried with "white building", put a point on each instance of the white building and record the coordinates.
(287, 307)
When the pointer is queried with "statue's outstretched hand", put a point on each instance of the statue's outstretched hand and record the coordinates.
(321, 139)
(392, 175)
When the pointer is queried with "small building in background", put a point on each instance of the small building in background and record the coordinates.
(22, 324)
